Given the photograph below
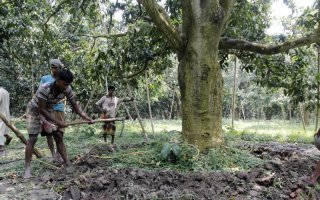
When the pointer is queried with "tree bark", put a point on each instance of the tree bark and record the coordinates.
(178, 103)
(200, 77)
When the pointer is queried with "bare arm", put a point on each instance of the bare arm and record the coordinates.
(43, 111)
(78, 110)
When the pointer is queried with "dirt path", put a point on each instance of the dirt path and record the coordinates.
(93, 178)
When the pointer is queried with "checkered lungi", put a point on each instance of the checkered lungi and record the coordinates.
(108, 127)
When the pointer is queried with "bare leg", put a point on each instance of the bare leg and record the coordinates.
(315, 174)
(28, 154)
(112, 139)
(51, 145)
(113, 131)
(61, 148)
(8, 139)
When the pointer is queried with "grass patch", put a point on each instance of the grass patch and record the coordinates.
(268, 131)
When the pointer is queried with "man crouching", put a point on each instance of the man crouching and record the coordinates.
(39, 110)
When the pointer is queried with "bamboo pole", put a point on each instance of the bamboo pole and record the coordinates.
(19, 134)
(149, 102)
(127, 111)
(138, 114)
(234, 92)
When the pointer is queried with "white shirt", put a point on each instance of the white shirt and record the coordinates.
(4, 109)
(109, 104)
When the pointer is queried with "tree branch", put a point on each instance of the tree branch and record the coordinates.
(104, 36)
(238, 44)
(138, 72)
(58, 9)
(162, 21)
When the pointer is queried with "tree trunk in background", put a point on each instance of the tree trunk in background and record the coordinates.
(289, 109)
(283, 112)
(32, 84)
(234, 91)
(243, 111)
(138, 114)
(306, 115)
(149, 103)
(172, 103)
(318, 91)
(88, 102)
(301, 105)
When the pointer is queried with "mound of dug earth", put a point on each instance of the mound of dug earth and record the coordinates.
(279, 178)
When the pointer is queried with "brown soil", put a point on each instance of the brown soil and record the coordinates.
(94, 178)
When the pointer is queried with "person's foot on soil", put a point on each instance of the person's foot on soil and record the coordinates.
(57, 158)
(8, 139)
(67, 164)
(114, 145)
(27, 173)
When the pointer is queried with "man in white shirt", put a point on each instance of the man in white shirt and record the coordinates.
(4, 109)
(107, 105)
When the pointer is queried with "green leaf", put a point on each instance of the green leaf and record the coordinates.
(165, 151)
(176, 150)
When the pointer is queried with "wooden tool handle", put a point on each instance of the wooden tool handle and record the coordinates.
(95, 121)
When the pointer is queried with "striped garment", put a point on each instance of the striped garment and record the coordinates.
(46, 92)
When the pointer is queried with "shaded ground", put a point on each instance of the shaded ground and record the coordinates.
(93, 177)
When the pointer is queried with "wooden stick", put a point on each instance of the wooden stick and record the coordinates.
(95, 121)
(19, 134)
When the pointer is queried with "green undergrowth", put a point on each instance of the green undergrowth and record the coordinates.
(168, 151)
(165, 149)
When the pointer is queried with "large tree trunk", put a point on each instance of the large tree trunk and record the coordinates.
(200, 78)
